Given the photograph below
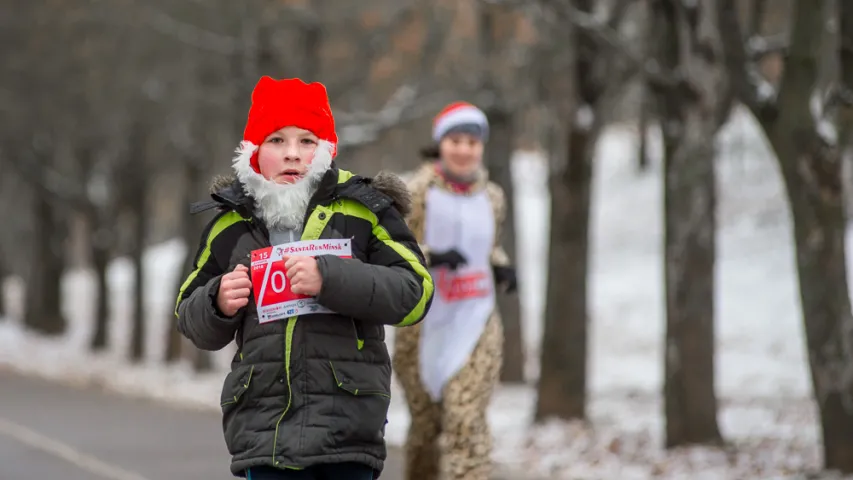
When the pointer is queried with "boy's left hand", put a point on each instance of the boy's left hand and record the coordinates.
(304, 275)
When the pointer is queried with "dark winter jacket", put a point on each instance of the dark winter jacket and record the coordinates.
(313, 389)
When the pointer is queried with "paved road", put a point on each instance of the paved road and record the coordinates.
(50, 431)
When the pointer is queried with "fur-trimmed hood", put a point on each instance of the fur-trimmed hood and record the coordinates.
(384, 182)
(392, 185)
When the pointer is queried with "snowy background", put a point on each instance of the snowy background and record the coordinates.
(763, 383)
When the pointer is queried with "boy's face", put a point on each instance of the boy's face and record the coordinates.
(286, 154)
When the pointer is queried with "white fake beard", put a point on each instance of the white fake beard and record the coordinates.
(281, 206)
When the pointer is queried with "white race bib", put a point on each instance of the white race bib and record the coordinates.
(273, 294)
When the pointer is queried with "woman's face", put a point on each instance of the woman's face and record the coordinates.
(462, 153)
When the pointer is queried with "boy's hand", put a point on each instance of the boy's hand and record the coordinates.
(234, 290)
(304, 275)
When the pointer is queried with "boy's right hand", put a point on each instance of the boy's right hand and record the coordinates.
(234, 290)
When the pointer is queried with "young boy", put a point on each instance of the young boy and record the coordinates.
(309, 387)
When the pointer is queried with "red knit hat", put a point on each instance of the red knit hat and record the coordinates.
(460, 114)
(289, 102)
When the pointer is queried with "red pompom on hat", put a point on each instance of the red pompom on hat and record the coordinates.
(289, 102)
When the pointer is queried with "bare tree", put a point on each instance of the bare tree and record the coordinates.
(596, 73)
(4, 272)
(30, 152)
(103, 155)
(190, 168)
(43, 302)
(191, 228)
(692, 111)
(845, 98)
(810, 163)
(498, 160)
(43, 294)
(646, 108)
(135, 198)
(643, 130)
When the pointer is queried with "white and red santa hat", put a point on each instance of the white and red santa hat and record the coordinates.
(460, 117)
(288, 102)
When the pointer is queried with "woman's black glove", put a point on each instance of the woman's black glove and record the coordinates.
(505, 277)
(450, 258)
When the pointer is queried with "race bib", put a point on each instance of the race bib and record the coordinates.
(273, 295)
(459, 286)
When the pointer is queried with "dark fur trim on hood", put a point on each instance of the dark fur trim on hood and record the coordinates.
(221, 181)
(393, 186)
(386, 182)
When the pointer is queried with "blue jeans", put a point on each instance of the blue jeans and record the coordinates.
(332, 471)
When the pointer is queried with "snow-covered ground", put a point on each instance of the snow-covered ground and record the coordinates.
(763, 383)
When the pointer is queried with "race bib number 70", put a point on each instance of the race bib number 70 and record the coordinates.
(273, 295)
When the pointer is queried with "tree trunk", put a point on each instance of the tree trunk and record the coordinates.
(562, 380)
(812, 172)
(174, 340)
(100, 262)
(137, 341)
(101, 242)
(812, 177)
(44, 290)
(690, 127)
(563, 360)
(498, 161)
(689, 256)
(811, 168)
(845, 115)
(193, 226)
(190, 232)
(643, 127)
(202, 361)
(499, 154)
(4, 271)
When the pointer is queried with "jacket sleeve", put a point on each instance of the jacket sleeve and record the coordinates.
(199, 319)
(498, 257)
(393, 287)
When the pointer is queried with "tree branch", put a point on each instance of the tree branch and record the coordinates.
(801, 69)
(376, 45)
(404, 106)
(187, 33)
(617, 13)
(48, 181)
(211, 41)
(759, 47)
(603, 31)
(845, 54)
(751, 88)
(406, 103)
(756, 17)
(843, 94)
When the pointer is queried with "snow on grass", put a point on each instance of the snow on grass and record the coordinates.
(763, 383)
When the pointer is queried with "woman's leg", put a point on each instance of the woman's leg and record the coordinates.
(466, 442)
(422, 439)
